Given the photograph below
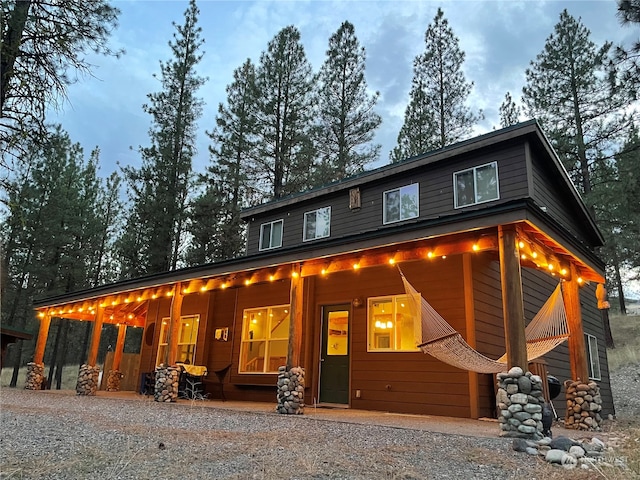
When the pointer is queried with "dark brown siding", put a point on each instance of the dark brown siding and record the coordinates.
(436, 197)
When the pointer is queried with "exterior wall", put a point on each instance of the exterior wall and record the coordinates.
(436, 197)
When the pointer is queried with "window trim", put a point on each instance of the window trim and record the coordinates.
(267, 341)
(304, 225)
(370, 347)
(591, 357)
(399, 189)
(475, 183)
(271, 224)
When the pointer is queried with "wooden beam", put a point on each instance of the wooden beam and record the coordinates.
(577, 347)
(470, 322)
(43, 333)
(174, 325)
(95, 337)
(512, 299)
(296, 310)
(117, 354)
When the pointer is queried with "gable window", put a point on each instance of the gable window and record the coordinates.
(271, 235)
(400, 204)
(592, 356)
(316, 224)
(392, 325)
(265, 339)
(476, 185)
(187, 336)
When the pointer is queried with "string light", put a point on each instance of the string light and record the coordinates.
(430, 254)
(475, 247)
(391, 261)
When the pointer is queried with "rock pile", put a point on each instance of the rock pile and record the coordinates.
(87, 383)
(167, 380)
(566, 452)
(584, 404)
(35, 376)
(113, 380)
(290, 391)
(520, 400)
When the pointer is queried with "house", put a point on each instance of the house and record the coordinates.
(484, 229)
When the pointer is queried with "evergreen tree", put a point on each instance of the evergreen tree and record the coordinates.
(160, 188)
(347, 121)
(569, 92)
(440, 83)
(628, 58)
(284, 158)
(509, 112)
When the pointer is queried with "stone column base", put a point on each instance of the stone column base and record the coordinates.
(35, 376)
(113, 380)
(584, 404)
(520, 400)
(87, 383)
(290, 391)
(166, 388)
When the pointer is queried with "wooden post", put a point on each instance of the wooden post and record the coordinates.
(294, 348)
(43, 333)
(577, 347)
(117, 354)
(174, 325)
(92, 358)
(512, 301)
(470, 322)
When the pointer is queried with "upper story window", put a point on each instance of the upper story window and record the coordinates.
(392, 325)
(271, 235)
(592, 356)
(400, 204)
(265, 339)
(316, 223)
(476, 185)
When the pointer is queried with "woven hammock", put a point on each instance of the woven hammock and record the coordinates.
(546, 331)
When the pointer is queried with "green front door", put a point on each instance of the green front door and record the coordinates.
(334, 356)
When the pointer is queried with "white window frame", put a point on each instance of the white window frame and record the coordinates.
(244, 342)
(385, 221)
(316, 236)
(475, 185)
(593, 357)
(271, 224)
(417, 328)
(164, 326)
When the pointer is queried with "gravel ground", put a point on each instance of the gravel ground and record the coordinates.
(48, 435)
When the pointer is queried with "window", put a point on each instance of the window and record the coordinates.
(476, 185)
(592, 356)
(392, 325)
(271, 235)
(187, 336)
(265, 339)
(400, 204)
(316, 224)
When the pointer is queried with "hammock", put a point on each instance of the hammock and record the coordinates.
(546, 331)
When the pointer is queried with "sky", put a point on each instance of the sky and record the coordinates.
(499, 37)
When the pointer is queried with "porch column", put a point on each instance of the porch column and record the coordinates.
(295, 324)
(43, 334)
(512, 301)
(89, 373)
(174, 324)
(115, 376)
(92, 358)
(470, 323)
(577, 347)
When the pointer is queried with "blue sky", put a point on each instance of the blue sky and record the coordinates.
(500, 38)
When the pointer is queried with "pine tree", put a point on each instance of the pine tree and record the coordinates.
(284, 159)
(438, 95)
(627, 59)
(569, 91)
(160, 188)
(509, 112)
(347, 121)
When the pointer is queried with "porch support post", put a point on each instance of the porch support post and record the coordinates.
(577, 347)
(43, 333)
(469, 314)
(174, 324)
(512, 298)
(92, 358)
(296, 313)
(117, 354)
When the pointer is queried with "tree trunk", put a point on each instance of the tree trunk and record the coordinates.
(10, 47)
(623, 307)
(63, 354)
(54, 354)
(16, 365)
